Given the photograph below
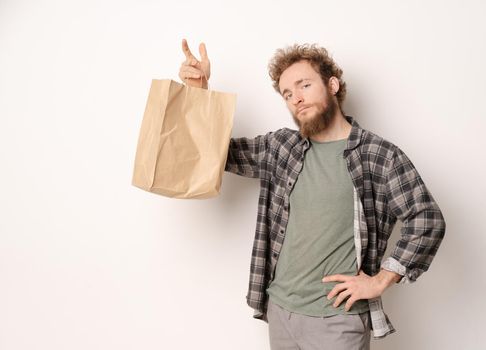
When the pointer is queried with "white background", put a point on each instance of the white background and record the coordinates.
(88, 261)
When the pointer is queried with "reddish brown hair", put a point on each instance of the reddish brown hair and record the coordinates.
(317, 56)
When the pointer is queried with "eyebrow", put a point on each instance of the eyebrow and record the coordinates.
(295, 84)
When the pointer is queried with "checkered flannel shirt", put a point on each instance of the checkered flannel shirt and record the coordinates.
(386, 186)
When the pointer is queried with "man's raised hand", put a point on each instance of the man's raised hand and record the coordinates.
(192, 71)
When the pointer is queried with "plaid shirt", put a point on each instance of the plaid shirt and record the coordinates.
(386, 185)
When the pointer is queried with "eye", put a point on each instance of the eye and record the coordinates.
(287, 97)
(307, 85)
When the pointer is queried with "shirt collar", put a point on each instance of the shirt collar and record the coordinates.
(354, 137)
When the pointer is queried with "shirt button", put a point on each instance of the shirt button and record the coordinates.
(281, 231)
(290, 183)
(274, 255)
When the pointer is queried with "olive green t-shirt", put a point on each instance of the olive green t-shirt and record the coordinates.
(319, 240)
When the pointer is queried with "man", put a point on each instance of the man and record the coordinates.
(330, 195)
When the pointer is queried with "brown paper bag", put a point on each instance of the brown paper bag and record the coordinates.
(183, 141)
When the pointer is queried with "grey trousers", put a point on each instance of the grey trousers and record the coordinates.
(289, 330)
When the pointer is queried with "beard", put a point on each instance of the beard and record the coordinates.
(312, 125)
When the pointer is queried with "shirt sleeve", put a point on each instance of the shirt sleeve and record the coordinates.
(247, 156)
(423, 230)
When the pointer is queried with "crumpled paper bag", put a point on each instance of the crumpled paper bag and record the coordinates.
(183, 140)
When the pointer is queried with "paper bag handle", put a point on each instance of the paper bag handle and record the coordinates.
(209, 101)
(204, 77)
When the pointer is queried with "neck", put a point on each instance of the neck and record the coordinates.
(338, 129)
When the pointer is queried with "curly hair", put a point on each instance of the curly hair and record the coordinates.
(317, 56)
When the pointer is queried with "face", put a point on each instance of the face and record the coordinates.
(313, 106)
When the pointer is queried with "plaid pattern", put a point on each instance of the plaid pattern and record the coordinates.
(387, 188)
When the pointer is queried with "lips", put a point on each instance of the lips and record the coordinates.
(301, 109)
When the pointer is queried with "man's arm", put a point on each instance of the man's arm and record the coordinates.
(247, 156)
(423, 229)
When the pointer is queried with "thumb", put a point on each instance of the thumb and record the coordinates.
(203, 52)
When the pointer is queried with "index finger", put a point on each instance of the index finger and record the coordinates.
(203, 52)
(336, 278)
(185, 49)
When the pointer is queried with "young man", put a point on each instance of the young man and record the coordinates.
(330, 195)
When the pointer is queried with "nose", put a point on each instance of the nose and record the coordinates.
(297, 99)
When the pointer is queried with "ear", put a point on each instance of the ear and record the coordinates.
(334, 85)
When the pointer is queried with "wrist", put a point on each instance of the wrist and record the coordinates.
(387, 278)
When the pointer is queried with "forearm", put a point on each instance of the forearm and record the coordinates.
(246, 155)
